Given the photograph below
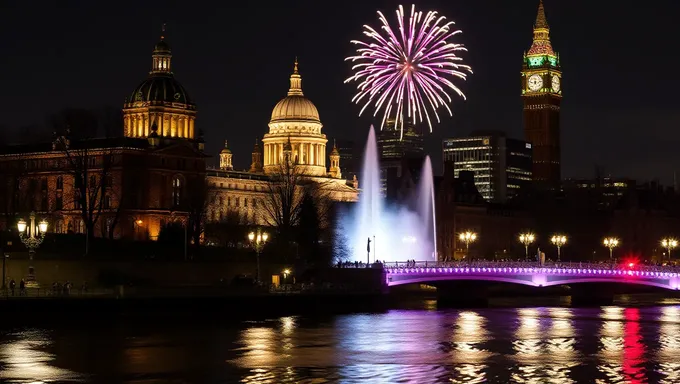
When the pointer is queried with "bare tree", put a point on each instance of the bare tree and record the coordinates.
(284, 197)
(89, 167)
(198, 198)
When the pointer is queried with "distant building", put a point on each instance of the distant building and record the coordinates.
(606, 191)
(394, 147)
(501, 165)
(350, 158)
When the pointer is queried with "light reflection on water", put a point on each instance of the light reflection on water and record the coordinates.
(503, 345)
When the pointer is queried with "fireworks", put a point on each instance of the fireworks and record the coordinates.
(406, 73)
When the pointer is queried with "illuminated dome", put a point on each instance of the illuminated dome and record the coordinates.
(160, 106)
(295, 106)
(298, 108)
(159, 88)
(295, 133)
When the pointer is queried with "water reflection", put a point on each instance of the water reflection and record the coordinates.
(25, 358)
(528, 345)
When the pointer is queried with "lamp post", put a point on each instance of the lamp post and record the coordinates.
(559, 241)
(32, 236)
(257, 241)
(467, 237)
(526, 239)
(669, 244)
(286, 272)
(611, 243)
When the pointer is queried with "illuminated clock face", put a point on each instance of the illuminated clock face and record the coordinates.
(535, 82)
(556, 83)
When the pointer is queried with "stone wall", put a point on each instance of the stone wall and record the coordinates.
(151, 273)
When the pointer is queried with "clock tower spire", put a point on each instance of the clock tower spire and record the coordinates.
(542, 95)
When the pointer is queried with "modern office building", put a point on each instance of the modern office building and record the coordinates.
(502, 166)
(394, 147)
(350, 158)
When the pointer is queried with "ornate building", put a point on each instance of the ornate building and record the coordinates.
(542, 94)
(132, 186)
(295, 121)
(295, 136)
(160, 106)
(127, 186)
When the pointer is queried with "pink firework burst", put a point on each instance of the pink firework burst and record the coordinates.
(407, 72)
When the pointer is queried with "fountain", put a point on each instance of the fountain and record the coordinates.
(396, 233)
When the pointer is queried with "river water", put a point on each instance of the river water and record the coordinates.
(617, 344)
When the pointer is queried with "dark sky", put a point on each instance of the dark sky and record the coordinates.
(620, 59)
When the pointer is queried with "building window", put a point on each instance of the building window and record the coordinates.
(245, 202)
(93, 181)
(43, 203)
(58, 202)
(60, 182)
(238, 202)
(107, 202)
(76, 199)
(43, 184)
(109, 223)
(59, 226)
(176, 191)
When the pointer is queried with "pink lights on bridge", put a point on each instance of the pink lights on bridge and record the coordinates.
(536, 270)
(538, 276)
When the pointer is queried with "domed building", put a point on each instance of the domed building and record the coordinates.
(295, 137)
(160, 106)
(295, 121)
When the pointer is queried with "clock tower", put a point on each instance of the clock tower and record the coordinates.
(542, 94)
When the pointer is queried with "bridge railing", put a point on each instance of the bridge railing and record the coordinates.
(526, 264)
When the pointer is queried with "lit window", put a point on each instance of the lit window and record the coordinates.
(176, 191)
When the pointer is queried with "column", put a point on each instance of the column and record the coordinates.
(147, 128)
(192, 132)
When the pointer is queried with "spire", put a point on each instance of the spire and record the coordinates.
(226, 148)
(161, 56)
(295, 82)
(541, 44)
(541, 21)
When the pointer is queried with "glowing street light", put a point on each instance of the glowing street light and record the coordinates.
(467, 237)
(257, 241)
(611, 243)
(669, 243)
(526, 239)
(32, 236)
(559, 241)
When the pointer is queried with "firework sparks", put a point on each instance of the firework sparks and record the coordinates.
(407, 72)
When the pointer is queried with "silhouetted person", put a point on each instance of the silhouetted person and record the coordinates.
(12, 285)
(22, 288)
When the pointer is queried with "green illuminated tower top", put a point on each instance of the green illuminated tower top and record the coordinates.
(541, 69)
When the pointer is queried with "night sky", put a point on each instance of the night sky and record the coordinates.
(619, 59)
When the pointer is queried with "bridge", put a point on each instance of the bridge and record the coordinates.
(532, 273)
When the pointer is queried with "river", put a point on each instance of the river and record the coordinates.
(420, 344)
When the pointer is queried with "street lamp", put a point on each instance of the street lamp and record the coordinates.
(467, 237)
(611, 243)
(286, 272)
(257, 241)
(526, 239)
(32, 236)
(559, 241)
(669, 244)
